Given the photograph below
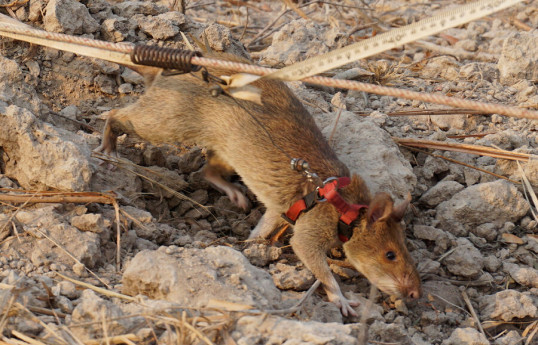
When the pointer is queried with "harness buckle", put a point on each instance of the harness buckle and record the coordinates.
(320, 199)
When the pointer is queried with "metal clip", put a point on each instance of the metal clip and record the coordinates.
(300, 165)
(324, 183)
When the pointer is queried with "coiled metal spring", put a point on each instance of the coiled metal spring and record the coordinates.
(168, 58)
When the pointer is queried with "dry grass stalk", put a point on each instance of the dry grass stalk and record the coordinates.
(331, 136)
(46, 311)
(362, 338)
(463, 136)
(295, 8)
(16, 3)
(465, 148)
(26, 338)
(463, 164)
(55, 197)
(184, 326)
(528, 190)
(98, 289)
(428, 112)
(123, 163)
(531, 330)
(118, 234)
(459, 53)
(473, 312)
(44, 325)
(56, 243)
(117, 339)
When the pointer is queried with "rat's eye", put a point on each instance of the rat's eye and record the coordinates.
(390, 255)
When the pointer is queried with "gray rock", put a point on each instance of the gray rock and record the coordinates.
(465, 260)
(153, 155)
(370, 152)
(93, 308)
(287, 277)
(5, 226)
(466, 336)
(492, 263)
(510, 338)
(507, 305)
(433, 165)
(526, 276)
(68, 289)
(389, 333)
(298, 40)
(106, 67)
(260, 254)
(132, 77)
(446, 67)
(105, 84)
(476, 71)
(84, 246)
(195, 276)
(220, 38)
(446, 122)
(277, 330)
(518, 57)
(508, 139)
(442, 191)
(125, 88)
(444, 295)
(89, 222)
(41, 156)
(488, 231)
(128, 9)
(497, 201)
(64, 304)
(68, 17)
(14, 89)
(157, 27)
(174, 17)
(36, 10)
(141, 216)
(162, 175)
(426, 232)
(158, 233)
(115, 29)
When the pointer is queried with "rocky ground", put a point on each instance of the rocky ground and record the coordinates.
(185, 264)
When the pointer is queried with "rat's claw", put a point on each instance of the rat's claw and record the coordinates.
(104, 151)
(345, 305)
(238, 198)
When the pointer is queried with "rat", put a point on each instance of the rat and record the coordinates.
(256, 142)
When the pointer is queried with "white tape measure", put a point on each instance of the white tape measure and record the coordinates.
(391, 39)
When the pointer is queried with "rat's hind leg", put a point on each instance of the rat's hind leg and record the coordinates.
(214, 171)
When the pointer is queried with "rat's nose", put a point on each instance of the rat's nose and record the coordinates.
(413, 293)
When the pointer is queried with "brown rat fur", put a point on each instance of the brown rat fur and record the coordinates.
(180, 109)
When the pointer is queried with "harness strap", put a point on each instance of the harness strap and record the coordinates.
(329, 192)
(300, 206)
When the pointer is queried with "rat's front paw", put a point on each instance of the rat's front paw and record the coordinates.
(346, 305)
(106, 150)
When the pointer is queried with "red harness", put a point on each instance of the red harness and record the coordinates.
(329, 192)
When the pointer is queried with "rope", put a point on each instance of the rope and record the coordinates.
(127, 48)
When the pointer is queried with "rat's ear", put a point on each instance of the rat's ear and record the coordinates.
(380, 208)
(399, 210)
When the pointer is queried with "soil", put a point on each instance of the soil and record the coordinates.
(185, 264)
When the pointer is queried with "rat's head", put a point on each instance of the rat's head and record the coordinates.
(377, 248)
